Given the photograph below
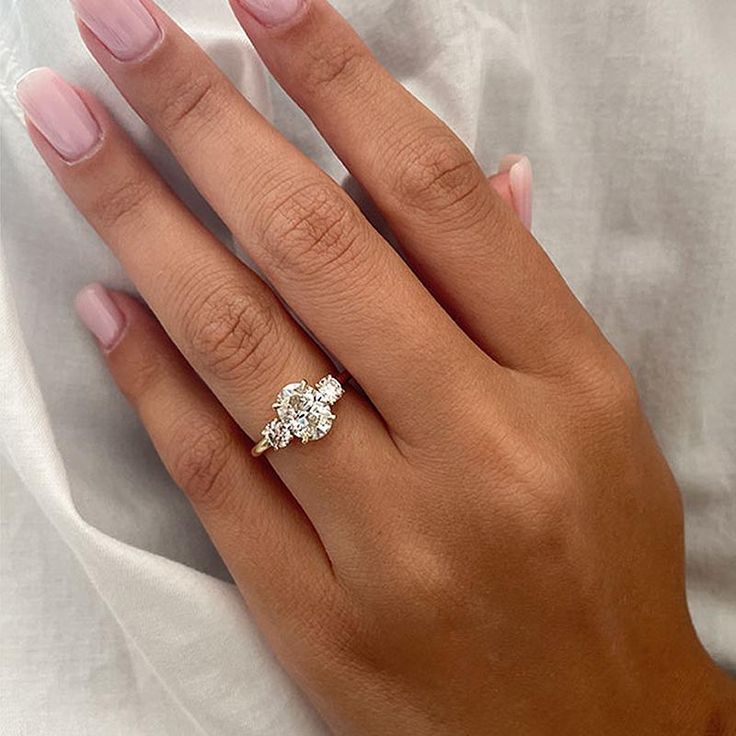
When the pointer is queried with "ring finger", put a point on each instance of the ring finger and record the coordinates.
(228, 324)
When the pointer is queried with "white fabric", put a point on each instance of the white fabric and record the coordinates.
(117, 615)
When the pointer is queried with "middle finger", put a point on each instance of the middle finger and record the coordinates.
(305, 233)
(473, 253)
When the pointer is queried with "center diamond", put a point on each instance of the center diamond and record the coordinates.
(304, 411)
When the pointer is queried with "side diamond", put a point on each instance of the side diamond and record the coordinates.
(330, 389)
(277, 434)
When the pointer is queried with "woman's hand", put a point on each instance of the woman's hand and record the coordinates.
(489, 540)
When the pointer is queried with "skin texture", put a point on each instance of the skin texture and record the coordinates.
(490, 540)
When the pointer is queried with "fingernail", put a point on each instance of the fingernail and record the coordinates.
(521, 183)
(125, 27)
(56, 109)
(100, 315)
(273, 12)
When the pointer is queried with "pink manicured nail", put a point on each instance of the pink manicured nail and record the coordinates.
(56, 109)
(100, 315)
(273, 12)
(125, 27)
(521, 183)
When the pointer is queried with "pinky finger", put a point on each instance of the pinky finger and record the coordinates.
(265, 539)
(513, 183)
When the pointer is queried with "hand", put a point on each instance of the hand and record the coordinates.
(489, 540)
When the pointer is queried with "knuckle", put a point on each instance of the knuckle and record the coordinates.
(192, 101)
(342, 66)
(233, 334)
(420, 571)
(201, 452)
(121, 201)
(624, 390)
(609, 388)
(530, 479)
(310, 230)
(535, 493)
(436, 170)
(431, 579)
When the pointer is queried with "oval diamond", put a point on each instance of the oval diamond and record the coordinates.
(322, 419)
(304, 412)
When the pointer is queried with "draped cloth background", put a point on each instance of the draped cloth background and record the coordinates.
(117, 615)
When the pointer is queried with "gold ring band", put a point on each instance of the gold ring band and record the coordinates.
(261, 448)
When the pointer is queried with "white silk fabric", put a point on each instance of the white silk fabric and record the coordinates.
(117, 616)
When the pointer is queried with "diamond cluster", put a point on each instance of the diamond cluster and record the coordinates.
(303, 412)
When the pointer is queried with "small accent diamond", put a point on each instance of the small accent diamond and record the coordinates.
(330, 389)
(277, 434)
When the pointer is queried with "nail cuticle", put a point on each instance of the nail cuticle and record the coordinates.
(87, 156)
(126, 28)
(275, 15)
(128, 60)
